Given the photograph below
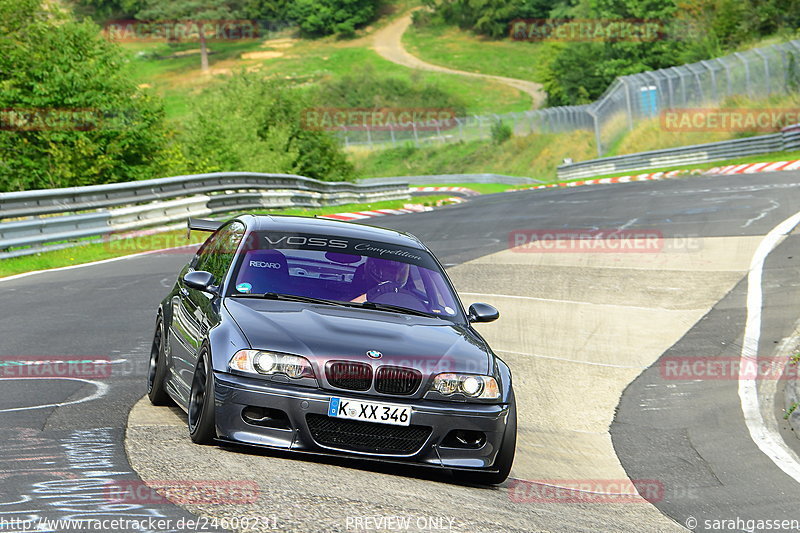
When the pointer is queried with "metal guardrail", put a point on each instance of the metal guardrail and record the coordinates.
(28, 203)
(453, 178)
(122, 207)
(788, 139)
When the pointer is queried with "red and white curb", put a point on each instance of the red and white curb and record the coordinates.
(408, 208)
(749, 168)
(359, 215)
(619, 179)
(753, 168)
(463, 190)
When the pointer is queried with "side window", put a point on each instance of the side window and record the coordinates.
(219, 251)
(198, 263)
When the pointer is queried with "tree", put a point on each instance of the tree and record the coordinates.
(581, 71)
(275, 11)
(249, 124)
(326, 17)
(70, 113)
(491, 17)
(105, 10)
(714, 27)
(193, 12)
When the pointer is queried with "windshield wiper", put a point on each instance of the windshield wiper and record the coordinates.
(397, 309)
(311, 300)
(288, 298)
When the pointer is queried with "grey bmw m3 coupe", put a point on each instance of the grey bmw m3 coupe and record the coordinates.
(329, 337)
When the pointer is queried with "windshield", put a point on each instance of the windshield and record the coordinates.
(345, 270)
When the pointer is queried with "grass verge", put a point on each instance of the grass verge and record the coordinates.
(483, 188)
(536, 156)
(173, 70)
(761, 158)
(453, 47)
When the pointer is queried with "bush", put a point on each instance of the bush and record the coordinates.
(327, 17)
(501, 132)
(52, 66)
(366, 89)
(249, 124)
(488, 18)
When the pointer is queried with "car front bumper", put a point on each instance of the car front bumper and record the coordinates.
(233, 394)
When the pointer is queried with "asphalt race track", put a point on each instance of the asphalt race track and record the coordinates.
(586, 333)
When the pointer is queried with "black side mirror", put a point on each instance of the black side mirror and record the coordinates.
(199, 280)
(479, 312)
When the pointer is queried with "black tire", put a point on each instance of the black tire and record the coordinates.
(202, 428)
(157, 369)
(505, 458)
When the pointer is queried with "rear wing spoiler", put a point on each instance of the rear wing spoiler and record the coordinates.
(199, 224)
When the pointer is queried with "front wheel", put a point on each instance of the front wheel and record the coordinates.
(505, 457)
(157, 369)
(202, 428)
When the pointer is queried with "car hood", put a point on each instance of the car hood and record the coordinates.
(323, 333)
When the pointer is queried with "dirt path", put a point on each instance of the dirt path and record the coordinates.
(388, 43)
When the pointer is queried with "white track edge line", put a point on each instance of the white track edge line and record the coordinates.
(770, 443)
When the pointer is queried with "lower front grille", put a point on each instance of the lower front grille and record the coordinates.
(366, 436)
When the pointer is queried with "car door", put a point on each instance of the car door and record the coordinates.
(196, 312)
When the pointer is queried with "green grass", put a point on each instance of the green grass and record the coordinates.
(651, 135)
(175, 78)
(109, 249)
(483, 188)
(349, 208)
(459, 49)
(761, 158)
(535, 156)
(313, 61)
(88, 253)
(305, 62)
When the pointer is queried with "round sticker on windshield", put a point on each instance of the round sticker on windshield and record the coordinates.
(449, 310)
(244, 287)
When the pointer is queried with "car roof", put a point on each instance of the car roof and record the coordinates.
(329, 227)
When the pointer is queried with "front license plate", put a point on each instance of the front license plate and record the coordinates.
(382, 413)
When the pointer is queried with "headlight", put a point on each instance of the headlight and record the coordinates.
(269, 363)
(470, 385)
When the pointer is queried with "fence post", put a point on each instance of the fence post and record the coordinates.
(596, 132)
(682, 82)
(714, 96)
(766, 69)
(670, 92)
(729, 84)
(746, 71)
(785, 65)
(628, 102)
